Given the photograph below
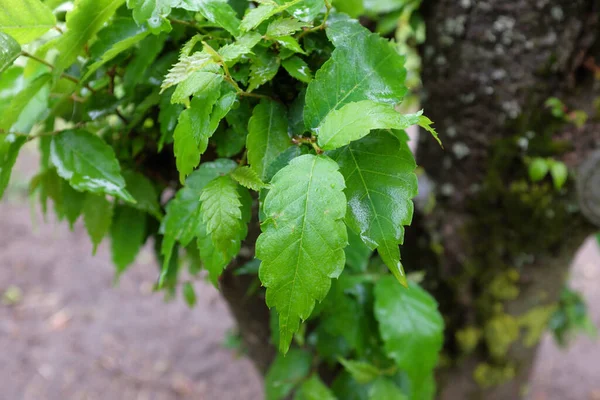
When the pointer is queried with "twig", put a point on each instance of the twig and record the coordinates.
(299, 140)
(318, 27)
(63, 75)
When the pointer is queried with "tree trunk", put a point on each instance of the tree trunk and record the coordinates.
(488, 67)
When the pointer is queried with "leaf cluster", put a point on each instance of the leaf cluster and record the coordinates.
(188, 122)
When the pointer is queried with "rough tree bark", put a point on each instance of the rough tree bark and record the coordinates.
(488, 67)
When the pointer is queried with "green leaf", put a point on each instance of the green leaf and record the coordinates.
(297, 68)
(355, 120)
(357, 253)
(221, 210)
(257, 15)
(303, 239)
(285, 373)
(411, 328)
(144, 193)
(290, 43)
(265, 65)
(380, 183)
(193, 131)
(346, 388)
(115, 50)
(153, 12)
(83, 21)
(25, 20)
(127, 234)
(355, 8)
(189, 68)
(19, 102)
(384, 388)
(361, 371)
(313, 389)
(559, 173)
(189, 294)
(144, 57)
(97, 217)
(248, 178)
(182, 220)
(242, 46)
(267, 135)
(304, 10)
(72, 201)
(538, 169)
(363, 66)
(168, 114)
(216, 257)
(281, 161)
(220, 12)
(284, 27)
(213, 259)
(88, 163)
(9, 51)
(9, 150)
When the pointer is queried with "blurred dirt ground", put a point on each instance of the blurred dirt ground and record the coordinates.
(71, 334)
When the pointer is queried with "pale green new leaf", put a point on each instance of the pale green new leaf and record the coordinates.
(426, 123)
(385, 388)
(303, 239)
(313, 389)
(186, 67)
(355, 120)
(221, 210)
(83, 21)
(88, 163)
(193, 131)
(284, 27)
(242, 46)
(380, 185)
(25, 20)
(247, 177)
(9, 150)
(267, 135)
(97, 217)
(9, 51)
(412, 330)
(363, 66)
(127, 234)
(115, 50)
(198, 82)
(297, 68)
(285, 373)
(361, 371)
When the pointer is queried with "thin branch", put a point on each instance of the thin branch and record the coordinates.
(62, 75)
(318, 27)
